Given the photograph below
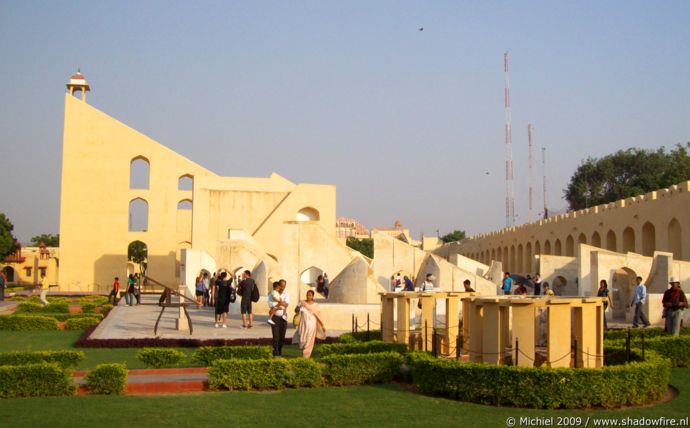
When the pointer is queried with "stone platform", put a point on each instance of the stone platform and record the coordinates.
(137, 322)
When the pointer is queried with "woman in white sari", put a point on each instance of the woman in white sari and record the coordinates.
(310, 326)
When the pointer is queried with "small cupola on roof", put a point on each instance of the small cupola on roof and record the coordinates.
(78, 83)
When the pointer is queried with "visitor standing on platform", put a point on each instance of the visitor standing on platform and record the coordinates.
(310, 326)
(409, 285)
(246, 290)
(207, 289)
(129, 293)
(604, 292)
(115, 292)
(279, 318)
(675, 302)
(639, 299)
(199, 291)
(507, 283)
(44, 289)
(428, 284)
(222, 293)
(537, 285)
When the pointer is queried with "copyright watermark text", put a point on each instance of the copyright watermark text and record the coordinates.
(588, 421)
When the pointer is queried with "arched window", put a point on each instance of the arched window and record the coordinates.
(139, 173)
(138, 254)
(307, 214)
(675, 244)
(611, 241)
(596, 239)
(138, 215)
(520, 266)
(557, 248)
(547, 247)
(184, 204)
(648, 239)
(528, 258)
(185, 182)
(582, 239)
(628, 240)
(569, 246)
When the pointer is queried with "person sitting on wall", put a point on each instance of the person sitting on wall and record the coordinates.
(428, 284)
(507, 283)
(468, 286)
(409, 285)
(521, 289)
(547, 290)
(537, 284)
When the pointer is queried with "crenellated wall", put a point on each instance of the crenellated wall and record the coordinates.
(656, 221)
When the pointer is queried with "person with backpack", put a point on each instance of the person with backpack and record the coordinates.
(223, 294)
(246, 289)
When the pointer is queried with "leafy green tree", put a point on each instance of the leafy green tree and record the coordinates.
(626, 173)
(364, 245)
(8, 243)
(456, 235)
(137, 252)
(48, 239)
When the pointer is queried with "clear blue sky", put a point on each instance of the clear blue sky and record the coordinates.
(404, 122)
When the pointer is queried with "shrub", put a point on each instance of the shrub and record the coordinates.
(27, 323)
(611, 386)
(96, 300)
(248, 374)
(361, 369)
(65, 359)
(304, 372)
(360, 336)
(206, 355)
(637, 332)
(372, 347)
(675, 348)
(88, 307)
(106, 308)
(35, 380)
(81, 323)
(107, 379)
(37, 308)
(160, 357)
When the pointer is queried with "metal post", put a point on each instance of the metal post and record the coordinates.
(627, 347)
(642, 333)
(458, 346)
(356, 325)
(368, 327)
(353, 323)
(434, 344)
(575, 346)
(517, 350)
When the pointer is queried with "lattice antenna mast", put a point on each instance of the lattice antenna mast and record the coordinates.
(510, 195)
(543, 168)
(530, 215)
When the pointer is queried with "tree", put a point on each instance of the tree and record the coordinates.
(8, 243)
(48, 239)
(364, 245)
(138, 253)
(626, 173)
(456, 235)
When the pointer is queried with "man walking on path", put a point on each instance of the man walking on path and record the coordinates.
(639, 299)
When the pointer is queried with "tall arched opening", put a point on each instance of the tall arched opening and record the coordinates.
(648, 239)
(628, 240)
(611, 241)
(139, 173)
(570, 246)
(675, 244)
(596, 239)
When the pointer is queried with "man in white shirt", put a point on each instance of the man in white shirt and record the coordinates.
(639, 299)
(428, 284)
(279, 326)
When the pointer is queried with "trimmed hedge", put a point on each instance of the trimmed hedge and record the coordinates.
(37, 308)
(360, 336)
(107, 379)
(35, 380)
(64, 359)
(375, 346)
(81, 323)
(206, 355)
(359, 369)
(158, 358)
(62, 317)
(638, 332)
(549, 388)
(237, 374)
(675, 348)
(28, 323)
(88, 307)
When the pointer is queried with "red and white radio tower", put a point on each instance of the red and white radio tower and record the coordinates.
(530, 215)
(510, 194)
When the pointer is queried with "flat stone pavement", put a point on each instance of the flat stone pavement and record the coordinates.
(126, 322)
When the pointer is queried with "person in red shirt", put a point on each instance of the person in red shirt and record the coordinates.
(115, 293)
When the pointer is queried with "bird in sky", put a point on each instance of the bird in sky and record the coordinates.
(421, 28)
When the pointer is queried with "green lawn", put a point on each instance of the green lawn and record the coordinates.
(380, 406)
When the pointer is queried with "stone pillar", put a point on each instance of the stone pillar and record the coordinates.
(492, 346)
(181, 323)
(387, 317)
(428, 302)
(403, 333)
(586, 332)
(524, 331)
(452, 322)
(558, 333)
(476, 326)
